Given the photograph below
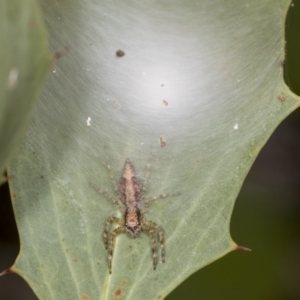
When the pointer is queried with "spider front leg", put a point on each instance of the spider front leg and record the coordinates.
(158, 228)
(112, 236)
(150, 228)
(161, 240)
(109, 221)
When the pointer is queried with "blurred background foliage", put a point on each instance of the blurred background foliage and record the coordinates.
(266, 218)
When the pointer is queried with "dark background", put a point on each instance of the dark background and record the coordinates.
(266, 218)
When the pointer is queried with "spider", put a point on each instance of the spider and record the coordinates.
(133, 205)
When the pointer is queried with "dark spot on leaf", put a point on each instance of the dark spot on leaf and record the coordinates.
(75, 259)
(14, 195)
(85, 297)
(32, 23)
(163, 141)
(120, 53)
(42, 177)
(61, 52)
(281, 98)
(118, 293)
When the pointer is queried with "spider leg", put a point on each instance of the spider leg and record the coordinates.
(161, 238)
(110, 198)
(113, 179)
(109, 221)
(145, 183)
(112, 237)
(148, 227)
(148, 200)
(110, 172)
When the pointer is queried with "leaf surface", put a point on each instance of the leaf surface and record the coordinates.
(197, 94)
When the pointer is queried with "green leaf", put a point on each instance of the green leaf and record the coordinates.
(24, 61)
(217, 65)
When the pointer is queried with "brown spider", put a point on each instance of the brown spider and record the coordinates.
(133, 205)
